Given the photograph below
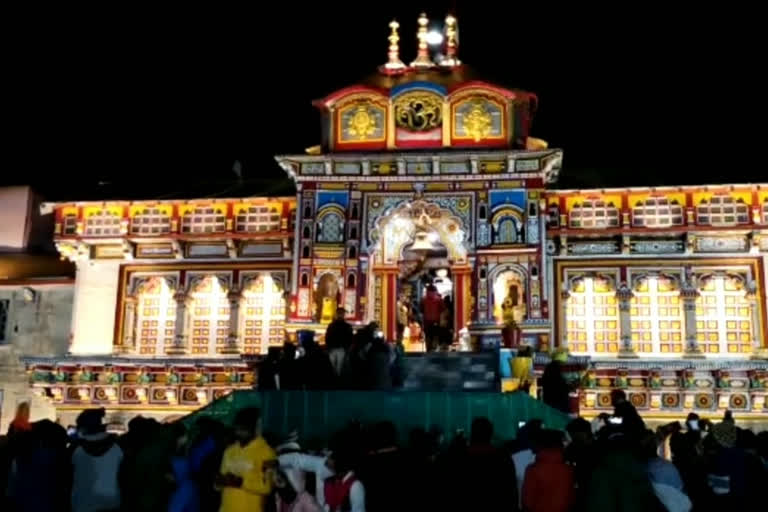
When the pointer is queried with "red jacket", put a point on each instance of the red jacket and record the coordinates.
(432, 305)
(548, 484)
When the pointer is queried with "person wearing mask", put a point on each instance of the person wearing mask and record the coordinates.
(548, 485)
(338, 338)
(432, 306)
(245, 476)
(96, 462)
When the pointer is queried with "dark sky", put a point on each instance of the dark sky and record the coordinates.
(147, 104)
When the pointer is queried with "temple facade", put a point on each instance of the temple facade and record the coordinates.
(425, 174)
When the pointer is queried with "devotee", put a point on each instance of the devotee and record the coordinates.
(432, 306)
(20, 422)
(338, 338)
(245, 476)
(548, 485)
(95, 464)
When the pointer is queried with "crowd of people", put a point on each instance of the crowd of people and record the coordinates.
(361, 360)
(613, 463)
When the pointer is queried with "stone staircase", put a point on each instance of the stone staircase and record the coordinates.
(452, 371)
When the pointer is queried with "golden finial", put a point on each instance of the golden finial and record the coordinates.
(422, 58)
(394, 63)
(451, 45)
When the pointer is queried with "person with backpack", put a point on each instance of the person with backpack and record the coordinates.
(95, 465)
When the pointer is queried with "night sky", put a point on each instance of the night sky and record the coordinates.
(146, 104)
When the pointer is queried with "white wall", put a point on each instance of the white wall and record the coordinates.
(93, 315)
(13, 223)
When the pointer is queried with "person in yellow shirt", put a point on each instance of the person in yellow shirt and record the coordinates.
(245, 476)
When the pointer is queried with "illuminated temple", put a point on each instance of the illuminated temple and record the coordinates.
(423, 168)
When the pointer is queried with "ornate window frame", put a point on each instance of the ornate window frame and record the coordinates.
(657, 212)
(594, 214)
(152, 221)
(722, 210)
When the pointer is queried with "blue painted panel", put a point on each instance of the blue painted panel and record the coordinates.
(515, 197)
(331, 196)
(399, 89)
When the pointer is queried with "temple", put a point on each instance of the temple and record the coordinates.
(425, 176)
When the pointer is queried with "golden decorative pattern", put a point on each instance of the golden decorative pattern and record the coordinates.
(477, 122)
(418, 111)
(362, 124)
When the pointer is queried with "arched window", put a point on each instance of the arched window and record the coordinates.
(657, 212)
(482, 212)
(351, 281)
(151, 221)
(657, 316)
(258, 219)
(507, 232)
(204, 219)
(353, 233)
(263, 315)
(209, 314)
(352, 252)
(765, 211)
(307, 232)
(722, 210)
(155, 317)
(592, 317)
(69, 224)
(305, 251)
(102, 223)
(330, 228)
(307, 211)
(355, 213)
(593, 213)
(723, 316)
(304, 279)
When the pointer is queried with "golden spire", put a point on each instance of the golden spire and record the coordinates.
(422, 58)
(394, 63)
(451, 44)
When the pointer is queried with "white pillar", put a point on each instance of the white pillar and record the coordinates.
(93, 311)
(129, 325)
(689, 294)
(624, 296)
(180, 337)
(234, 321)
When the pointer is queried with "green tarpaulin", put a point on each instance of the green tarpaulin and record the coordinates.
(318, 414)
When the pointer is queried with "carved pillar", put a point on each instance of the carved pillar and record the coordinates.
(624, 297)
(180, 338)
(565, 294)
(758, 351)
(689, 293)
(233, 346)
(128, 342)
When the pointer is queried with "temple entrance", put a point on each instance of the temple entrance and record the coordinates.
(425, 295)
(420, 279)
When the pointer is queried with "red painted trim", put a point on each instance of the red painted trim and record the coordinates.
(391, 329)
(334, 97)
(479, 84)
(419, 143)
(464, 143)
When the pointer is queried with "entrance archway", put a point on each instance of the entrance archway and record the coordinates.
(413, 240)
